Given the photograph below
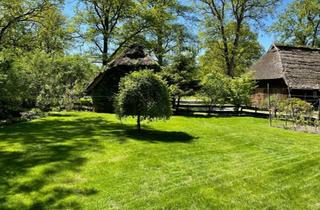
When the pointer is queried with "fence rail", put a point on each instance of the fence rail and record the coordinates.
(191, 107)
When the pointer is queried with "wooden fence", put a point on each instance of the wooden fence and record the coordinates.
(197, 107)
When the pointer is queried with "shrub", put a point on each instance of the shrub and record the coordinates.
(214, 89)
(240, 90)
(143, 95)
(86, 101)
(297, 110)
(32, 114)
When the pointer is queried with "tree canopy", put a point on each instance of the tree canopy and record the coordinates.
(143, 95)
(227, 23)
(181, 75)
(299, 24)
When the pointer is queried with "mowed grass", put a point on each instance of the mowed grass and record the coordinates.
(93, 161)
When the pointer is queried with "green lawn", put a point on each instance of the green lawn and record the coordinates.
(92, 161)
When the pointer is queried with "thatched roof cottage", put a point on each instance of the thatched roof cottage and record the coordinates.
(288, 70)
(104, 87)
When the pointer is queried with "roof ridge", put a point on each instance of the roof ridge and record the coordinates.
(279, 45)
(283, 72)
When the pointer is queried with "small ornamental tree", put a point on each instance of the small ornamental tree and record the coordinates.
(214, 89)
(240, 90)
(143, 95)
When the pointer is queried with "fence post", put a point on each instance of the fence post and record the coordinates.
(319, 108)
(270, 117)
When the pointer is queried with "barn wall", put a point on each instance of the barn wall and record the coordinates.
(279, 89)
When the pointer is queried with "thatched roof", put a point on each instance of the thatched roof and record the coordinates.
(298, 66)
(133, 58)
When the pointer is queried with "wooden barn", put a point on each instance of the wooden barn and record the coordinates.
(104, 87)
(288, 70)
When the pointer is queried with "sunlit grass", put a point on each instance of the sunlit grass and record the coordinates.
(93, 161)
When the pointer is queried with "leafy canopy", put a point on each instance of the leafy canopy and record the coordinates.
(143, 95)
(214, 88)
(218, 89)
(213, 59)
(181, 75)
(240, 90)
(227, 21)
(300, 23)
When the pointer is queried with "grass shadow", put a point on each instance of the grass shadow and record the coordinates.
(33, 153)
(159, 136)
(46, 149)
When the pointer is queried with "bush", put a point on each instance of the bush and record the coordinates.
(36, 79)
(240, 90)
(214, 89)
(86, 101)
(32, 114)
(143, 95)
(297, 110)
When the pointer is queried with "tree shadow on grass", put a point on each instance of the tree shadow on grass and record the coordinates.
(34, 154)
(154, 136)
(35, 157)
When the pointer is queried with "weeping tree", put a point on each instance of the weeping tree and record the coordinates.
(142, 95)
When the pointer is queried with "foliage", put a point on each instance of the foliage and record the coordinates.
(228, 21)
(240, 90)
(181, 76)
(143, 95)
(32, 114)
(59, 81)
(214, 88)
(297, 110)
(166, 35)
(13, 86)
(33, 24)
(299, 24)
(38, 80)
(108, 26)
(213, 60)
(219, 89)
(86, 101)
(274, 103)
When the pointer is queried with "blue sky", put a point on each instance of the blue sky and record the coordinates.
(265, 39)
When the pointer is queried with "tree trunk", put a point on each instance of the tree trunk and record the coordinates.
(160, 49)
(178, 104)
(234, 50)
(314, 36)
(225, 49)
(105, 51)
(173, 101)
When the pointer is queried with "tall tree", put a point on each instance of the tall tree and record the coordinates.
(110, 24)
(31, 24)
(181, 76)
(52, 32)
(300, 23)
(14, 12)
(238, 13)
(166, 27)
(212, 60)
